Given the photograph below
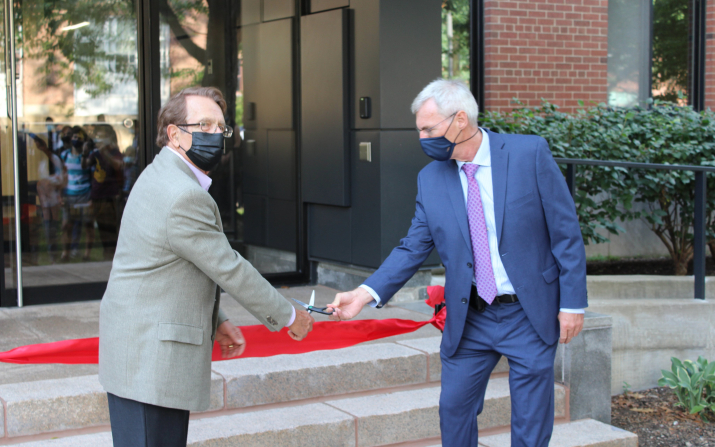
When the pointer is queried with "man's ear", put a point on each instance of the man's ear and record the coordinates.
(171, 133)
(462, 119)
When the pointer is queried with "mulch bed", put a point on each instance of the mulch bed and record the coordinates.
(651, 415)
(641, 266)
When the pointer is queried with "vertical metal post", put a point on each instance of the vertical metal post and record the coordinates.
(571, 179)
(11, 73)
(699, 236)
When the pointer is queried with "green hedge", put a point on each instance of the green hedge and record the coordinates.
(661, 133)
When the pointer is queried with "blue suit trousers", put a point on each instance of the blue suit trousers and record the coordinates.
(502, 329)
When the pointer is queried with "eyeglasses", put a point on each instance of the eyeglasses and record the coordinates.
(209, 127)
(429, 131)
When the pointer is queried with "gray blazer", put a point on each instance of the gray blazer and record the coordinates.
(160, 311)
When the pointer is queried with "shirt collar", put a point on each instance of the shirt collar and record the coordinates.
(484, 155)
(204, 180)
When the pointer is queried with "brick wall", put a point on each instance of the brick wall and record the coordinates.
(710, 56)
(551, 49)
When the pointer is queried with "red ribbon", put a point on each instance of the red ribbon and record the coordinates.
(260, 342)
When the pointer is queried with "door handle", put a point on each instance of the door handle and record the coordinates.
(8, 102)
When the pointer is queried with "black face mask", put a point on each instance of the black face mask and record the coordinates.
(77, 143)
(206, 150)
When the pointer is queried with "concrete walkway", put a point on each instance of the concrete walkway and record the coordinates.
(48, 323)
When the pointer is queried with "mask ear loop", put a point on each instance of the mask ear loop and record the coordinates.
(475, 134)
(460, 132)
(186, 131)
(452, 144)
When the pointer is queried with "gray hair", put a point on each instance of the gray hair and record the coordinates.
(450, 96)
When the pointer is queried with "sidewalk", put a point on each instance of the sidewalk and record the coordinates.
(48, 323)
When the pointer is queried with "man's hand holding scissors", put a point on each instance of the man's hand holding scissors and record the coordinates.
(302, 324)
(303, 321)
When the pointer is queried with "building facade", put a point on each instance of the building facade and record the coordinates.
(324, 158)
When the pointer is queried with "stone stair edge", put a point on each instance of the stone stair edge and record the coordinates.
(414, 416)
(581, 433)
(51, 405)
(81, 378)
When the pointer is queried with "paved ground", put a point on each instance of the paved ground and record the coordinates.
(56, 274)
(42, 324)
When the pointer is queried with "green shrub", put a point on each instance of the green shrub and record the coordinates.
(693, 384)
(663, 133)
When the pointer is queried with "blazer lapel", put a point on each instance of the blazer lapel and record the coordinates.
(456, 196)
(500, 163)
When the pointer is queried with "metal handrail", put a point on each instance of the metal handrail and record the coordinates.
(700, 204)
(628, 164)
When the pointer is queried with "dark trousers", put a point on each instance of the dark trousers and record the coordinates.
(136, 424)
(502, 329)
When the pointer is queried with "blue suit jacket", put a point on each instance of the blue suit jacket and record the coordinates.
(539, 237)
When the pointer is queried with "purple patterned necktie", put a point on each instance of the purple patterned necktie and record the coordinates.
(486, 285)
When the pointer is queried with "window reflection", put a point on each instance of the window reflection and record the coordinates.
(77, 137)
(455, 39)
(649, 51)
(193, 53)
(672, 49)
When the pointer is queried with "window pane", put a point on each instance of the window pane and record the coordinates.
(628, 52)
(77, 117)
(183, 33)
(6, 161)
(672, 49)
(455, 39)
(649, 51)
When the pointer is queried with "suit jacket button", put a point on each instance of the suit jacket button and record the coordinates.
(464, 301)
(469, 264)
(271, 320)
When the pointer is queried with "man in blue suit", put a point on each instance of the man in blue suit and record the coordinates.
(497, 209)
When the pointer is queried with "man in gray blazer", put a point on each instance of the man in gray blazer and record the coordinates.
(160, 313)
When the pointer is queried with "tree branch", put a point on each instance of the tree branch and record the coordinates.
(194, 50)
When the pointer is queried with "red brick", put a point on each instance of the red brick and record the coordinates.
(561, 48)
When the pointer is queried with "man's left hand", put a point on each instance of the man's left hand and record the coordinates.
(571, 325)
(231, 340)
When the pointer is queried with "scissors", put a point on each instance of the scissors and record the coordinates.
(311, 307)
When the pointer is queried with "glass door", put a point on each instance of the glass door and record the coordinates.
(246, 49)
(7, 174)
(75, 144)
(81, 96)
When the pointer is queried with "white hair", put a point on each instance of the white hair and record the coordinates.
(450, 96)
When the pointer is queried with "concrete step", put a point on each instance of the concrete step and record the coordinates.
(370, 420)
(55, 405)
(66, 404)
(284, 378)
(80, 402)
(583, 433)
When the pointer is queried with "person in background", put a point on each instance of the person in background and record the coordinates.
(107, 181)
(65, 141)
(53, 135)
(76, 200)
(49, 185)
(131, 170)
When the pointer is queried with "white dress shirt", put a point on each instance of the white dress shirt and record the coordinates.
(205, 182)
(483, 158)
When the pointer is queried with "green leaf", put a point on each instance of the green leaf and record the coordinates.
(696, 409)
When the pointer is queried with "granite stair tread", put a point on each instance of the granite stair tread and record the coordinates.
(583, 433)
(376, 419)
(74, 403)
